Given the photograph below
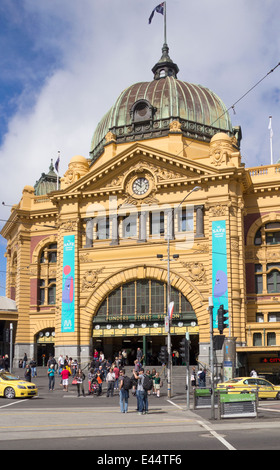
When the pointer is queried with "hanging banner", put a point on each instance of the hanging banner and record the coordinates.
(68, 285)
(219, 268)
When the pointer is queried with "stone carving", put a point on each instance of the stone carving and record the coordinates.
(196, 271)
(175, 126)
(222, 149)
(90, 278)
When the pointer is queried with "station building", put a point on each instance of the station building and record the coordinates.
(87, 257)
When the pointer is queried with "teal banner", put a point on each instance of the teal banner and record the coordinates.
(68, 285)
(219, 268)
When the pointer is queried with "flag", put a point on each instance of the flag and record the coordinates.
(270, 126)
(158, 9)
(56, 165)
(170, 310)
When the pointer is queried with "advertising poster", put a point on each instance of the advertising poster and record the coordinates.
(68, 285)
(219, 268)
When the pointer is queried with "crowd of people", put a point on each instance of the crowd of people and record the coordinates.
(98, 372)
(142, 383)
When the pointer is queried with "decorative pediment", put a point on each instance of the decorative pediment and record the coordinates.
(164, 170)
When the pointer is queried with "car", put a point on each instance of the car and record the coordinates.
(12, 386)
(248, 384)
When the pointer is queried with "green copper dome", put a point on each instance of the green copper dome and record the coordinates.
(47, 182)
(145, 110)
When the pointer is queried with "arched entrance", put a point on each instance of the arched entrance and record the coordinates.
(132, 316)
(45, 346)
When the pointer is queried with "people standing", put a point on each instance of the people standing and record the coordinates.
(80, 377)
(65, 378)
(24, 361)
(157, 381)
(27, 373)
(124, 392)
(142, 395)
(110, 379)
(60, 364)
(51, 377)
(33, 366)
(193, 378)
(116, 371)
(91, 376)
(139, 355)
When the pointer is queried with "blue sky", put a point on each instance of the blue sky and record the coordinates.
(63, 63)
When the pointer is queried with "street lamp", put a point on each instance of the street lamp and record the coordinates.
(167, 319)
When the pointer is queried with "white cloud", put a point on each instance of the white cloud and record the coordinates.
(104, 47)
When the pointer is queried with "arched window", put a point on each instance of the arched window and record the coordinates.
(268, 234)
(143, 299)
(47, 273)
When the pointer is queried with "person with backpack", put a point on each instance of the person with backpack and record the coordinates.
(125, 384)
(143, 385)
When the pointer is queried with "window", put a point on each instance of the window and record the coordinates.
(128, 299)
(273, 282)
(273, 317)
(272, 233)
(41, 291)
(258, 238)
(130, 226)
(114, 302)
(185, 219)
(47, 290)
(157, 223)
(271, 339)
(268, 234)
(258, 279)
(52, 253)
(267, 280)
(51, 291)
(144, 297)
(157, 297)
(49, 254)
(102, 228)
(257, 339)
(259, 318)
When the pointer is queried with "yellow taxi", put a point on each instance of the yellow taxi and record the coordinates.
(14, 387)
(248, 384)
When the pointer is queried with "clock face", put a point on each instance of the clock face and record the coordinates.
(140, 186)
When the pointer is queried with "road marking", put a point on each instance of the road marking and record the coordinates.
(269, 409)
(172, 403)
(13, 403)
(217, 436)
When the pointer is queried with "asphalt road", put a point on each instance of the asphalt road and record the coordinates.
(62, 421)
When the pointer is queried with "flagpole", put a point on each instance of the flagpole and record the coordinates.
(57, 174)
(271, 134)
(165, 36)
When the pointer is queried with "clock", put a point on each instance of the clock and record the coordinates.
(140, 186)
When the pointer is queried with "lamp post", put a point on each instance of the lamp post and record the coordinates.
(167, 319)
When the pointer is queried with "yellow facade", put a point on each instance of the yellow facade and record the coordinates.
(247, 199)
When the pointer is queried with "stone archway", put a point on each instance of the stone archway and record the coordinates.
(101, 291)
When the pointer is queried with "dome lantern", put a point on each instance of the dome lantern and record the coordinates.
(165, 67)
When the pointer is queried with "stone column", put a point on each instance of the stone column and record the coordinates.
(142, 235)
(199, 229)
(89, 233)
(115, 230)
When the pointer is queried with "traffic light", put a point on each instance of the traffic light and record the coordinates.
(185, 349)
(163, 355)
(222, 319)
